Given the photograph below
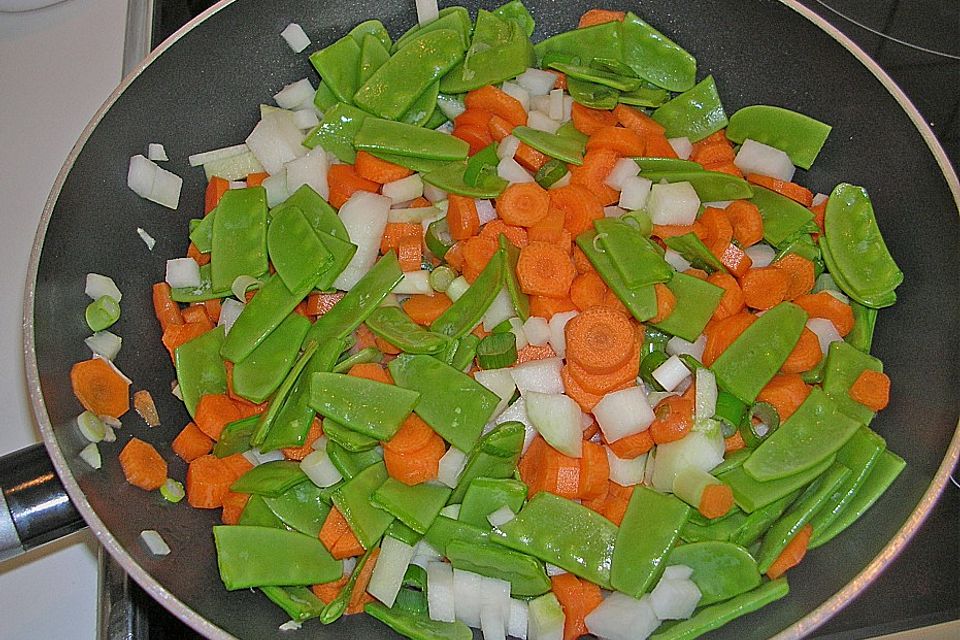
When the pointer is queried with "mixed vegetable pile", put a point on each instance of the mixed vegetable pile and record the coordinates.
(526, 338)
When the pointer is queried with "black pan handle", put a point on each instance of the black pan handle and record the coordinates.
(34, 506)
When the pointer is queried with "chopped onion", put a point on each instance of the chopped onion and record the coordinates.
(705, 395)
(440, 592)
(493, 625)
(310, 169)
(182, 273)
(682, 146)
(517, 624)
(91, 455)
(620, 617)
(826, 332)
(110, 421)
(517, 412)
(557, 418)
(558, 338)
(230, 310)
(295, 37)
(414, 214)
(626, 473)
(819, 198)
(295, 94)
(623, 413)
(516, 328)
(91, 426)
(414, 282)
(635, 192)
(433, 194)
(457, 288)
(365, 217)
(554, 570)
(409, 188)
(556, 105)
(427, 11)
(141, 175)
(451, 466)
(215, 155)
(677, 346)
(276, 186)
(241, 284)
(257, 458)
(718, 204)
(290, 625)
(540, 376)
(485, 211)
(623, 169)
(149, 181)
(98, 286)
(542, 122)
(424, 554)
(756, 157)
(451, 511)
(306, 118)
(613, 211)
(501, 516)
(839, 296)
(697, 449)
(540, 103)
(674, 599)
(387, 578)
(518, 93)
(156, 152)
(147, 239)
(567, 108)
(501, 383)
(677, 572)
(537, 81)
(450, 107)
(508, 147)
(537, 331)
(761, 255)
(511, 171)
(233, 168)
(104, 343)
(671, 373)
(276, 140)
(320, 469)
(154, 542)
(673, 203)
(676, 260)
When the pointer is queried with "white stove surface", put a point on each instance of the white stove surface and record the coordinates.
(57, 66)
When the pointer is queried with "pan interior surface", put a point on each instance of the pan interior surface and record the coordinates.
(203, 93)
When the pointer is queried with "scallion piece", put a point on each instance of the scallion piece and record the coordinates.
(102, 313)
(172, 491)
(91, 426)
(437, 238)
(550, 173)
(498, 350)
(768, 421)
(441, 277)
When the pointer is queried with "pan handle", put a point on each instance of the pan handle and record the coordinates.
(34, 506)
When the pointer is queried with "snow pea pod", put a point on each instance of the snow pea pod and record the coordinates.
(336, 131)
(323, 99)
(403, 139)
(264, 313)
(751, 494)
(454, 18)
(403, 533)
(347, 438)
(264, 556)
(843, 366)
(298, 602)
(864, 322)
(201, 233)
(318, 212)
(373, 55)
(783, 218)
(339, 67)
(640, 301)
(814, 432)
(760, 520)
(721, 570)
(415, 506)
(451, 402)
(858, 257)
(756, 356)
(563, 148)
(500, 50)
(342, 252)
(581, 44)
(486, 495)
(598, 76)
(711, 186)
(423, 108)
(654, 57)
(369, 407)
(300, 507)
(350, 463)
(373, 28)
(364, 356)
(235, 437)
(445, 530)
(395, 86)
(396, 327)
(417, 627)
(256, 513)
(647, 96)
(799, 136)
(520, 300)
(200, 369)
(692, 249)
(272, 478)
(353, 501)
(239, 243)
(420, 165)
(464, 314)
(450, 178)
(338, 606)
(720, 531)
(465, 352)
(516, 12)
(650, 529)
(696, 301)
(494, 456)
(264, 369)
(296, 252)
(694, 114)
(567, 130)
(717, 615)
(525, 574)
(592, 94)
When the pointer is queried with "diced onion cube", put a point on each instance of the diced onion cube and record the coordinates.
(705, 402)
(104, 343)
(295, 37)
(623, 413)
(156, 152)
(450, 467)
(676, 260)
(276, 140)
(387, 578)
(508, 147)
(306, 118)
(674, 599)
(518, 93)
(542, 122)
(757, 157)
(621, 617)
(677, 572)
(98, 286)
(295, 94)
(673, 203)
(427, 11)
(626, 473)
(541, 376)
(365, 217)
(320, 469)
(91, 455)
(537, 331)
(216, 155)
(147, 239)
(433, 194)
(635, 191)
(486, 212)
(677, 346)
(511, 171)
(623, 169)
(556, 105)
(451, 511)
(517, 624)
(762, 255)
(311, 170)
(682, 146)
(826, 332)
(613, 211)
(671, 373)
(141, 175)
(537, 81)
(230, 310)
(183, 273)
(409, 188)
(440, 592)
(154, 542)
(414, 282)
(501, 516)
(558, 337)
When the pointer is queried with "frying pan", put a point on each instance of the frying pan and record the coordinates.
(200, 90)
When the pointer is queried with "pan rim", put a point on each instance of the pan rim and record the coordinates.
(801, 628)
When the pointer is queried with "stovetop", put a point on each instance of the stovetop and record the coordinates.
(916, 42)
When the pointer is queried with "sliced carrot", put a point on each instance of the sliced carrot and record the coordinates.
(531, 159)
(328, 591)
(424, 309)
(699, 274)
(417, 466)
(659, 147)
(599, 16)
(805, 356)
(561, 82)
(454, 257)
(474, 118)
(666, 303)
(588, 290)
(600, 340)
(603, 383)
(191, 443)
(718, 228)
(637, 120)
(497, 102)
(523, 204)
(394, 232)
(533, 352)
(531, 465)
(365, 337)
(215, 190)
(734, 443)
(593, 173)
(715, 501)
(477, 252)
(546, 306)
(747, 222)
(594, 471)
(713, 150)
(819, 211)
(320, 303)
(588, 121)
(579, 205)
(214, 412)
(786, 392)
(344, 181)
(208, 481)
(671, 230)
(462, 217)
(359, 597)
(212, 308)
(477, 137)
(632, 446)
(792, 554)
(674, 419)
(142, 465)
(499, 128)
(387, 347)
(301, 452)
(237, 465)
(727, 167)
(764, 288)
(348, 546)
(200, 258)
(736, 260)
(581, 261)
(100, 388)
(164, 308)
(380, 171)
(410, 254)
(721, 334)
(824, 305)
(789, 189)
(871, 389)
(413, 434)
(622, 141)
(337, 536)
(615, 507)
(233, 506)
(561, 474)
(584, 399)
(371, 371)
(195, 313)
(544, 269)
(577, 597)
(732, 301)
(801, 273)
(256, 179)
(611, 301)
(517, 236)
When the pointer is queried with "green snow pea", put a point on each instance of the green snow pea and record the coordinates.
(563, 148)
(451, 402)
(466, 351)
(567, 130)
(200, 369)
(300, 507)
(102, 313)
(407, 140)
(453, 18)
(654, 57)
(260, 373)
(270, 479)
(734, 459)
(804, 246)
(757, 355)
(692, 249)
(423, 108)
(885, 471)
(350, 463)
(347, 438)
(373, 28)
(264, 556)
(864, 322)
(369, 407)
(420, 165)
(598, 76)
(552, 172)
(612, 65)
(235, 437)
(500, 50)
(717, 615)
(298, 602)
(413, 602)
(721, 570)
(486, 495)
(373, 55)
(260, 317)
(239, 244)
(446, 530)
(751, 494)
(464, 314)
(515, 11)
(318, 212)
(638, 260)
(353, 501)
(646, 96)
(450, 178)
(494, 456)
(525, 573)
(813, 499)
(338, 606)
(415, 506)
(666, 165)
(396, 327)
(783, 218)
(650, 529)
(593, 95)
(357, 305)
(336, 131)
(580, 44)
(296, 252)
(201, 234)
(842, 367)
(364, 356)
(711, 186)
(481, 163)
(799, 136)
(721, 530)
(417, 627)
(269, 417)
(256, 513)
(640, 301)
(395, 86)
(402, 532)
(858, 257)
(520, 300)
(694, 114)
(814, 432)
(339, 67)
(563, 533)
(860, 454)
(757, 523)
(696, 301)
(323, 99)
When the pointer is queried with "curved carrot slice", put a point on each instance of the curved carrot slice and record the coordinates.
(577, 597)
(373, 168)
(805, 356)
(545, 269)
(588, 121)
(477, 137)
(424, 309)
(233, 506)
(533, 352)
(600, 340)
(546, 307)
(344, 181)
(462, 217)
(581, 261)
(517, 236)
(301, 452)
(721, 334)
(588, 290)
(142, 466)
(371, 371)
(530, 158)
(586, 400)
(600, 16)
(100, 389)
(603, 383)
(638, 121)
(592, 174)
(579, 205)
(674, 419)
(523, 204)
(477, 252)
(664, 231)
(715, 501)
(666, 303)
(801, 273)
(632, 446)
(416, 466)
(499, 128)
(718, 228)
(792, 554)
(764, 288)
(622, 141)
(747, 222)
(164, 307)
(789, 189)
(736, 260)
(824, 305)
(208, 481)
(413, 434)
(191, 443)
(214, 412)
(473, 118)
(786, 392)
(871, 389)
(732, 301)
(494, 100)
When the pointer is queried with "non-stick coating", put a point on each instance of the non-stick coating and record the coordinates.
(202, 93)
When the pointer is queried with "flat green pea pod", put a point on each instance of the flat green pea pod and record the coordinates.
(395, 86)
(338, 606)
(451, 402)
(567, 130)
(864, 323)
(301, 507)
(667, 165)
(372, 28)
(717, 615)
(239, 243)
(598, 76)
(464, 314)
(336, 131)
(720, 531)
(350, 463)
(806, 507)
(525, 574)
(350, 440)
(500, 50)
(264, 556)
(318, 212)
(268, 418)
(396, 327)
(856, 254)
(650, 528)
(296, 252)
(450, 178)
(353, 501)
(235, 437)
(454, 18)
(760, 520)
(373, 55)
(654, 57)
(692, 249)
(520, 300)
(563, 148)
(745, 367)
(323, 99)
(813, 433)
(256, 513)
(270, 479)
(516, 12)
(462, 358)
(486, 495)
(751, 494)
(203, 292)
(405, 534)
(842, 367)
(369, 407)
(592, 94)
(415, 506)
(418, 627)
(582, 44)
(721, 570)
(694, 114)
(402, 139)
(647, 96)
(696, 301)
(783, 218)
(422, 110)
(494, 456)
(339, 67)
(200, 369)
(640, 301)
(264, 369)
(445, 530)
(799, 136)
(298, 602)
(264, 313)
(711, 186)
(366, 355)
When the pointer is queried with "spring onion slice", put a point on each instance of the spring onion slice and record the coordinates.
(498, 350)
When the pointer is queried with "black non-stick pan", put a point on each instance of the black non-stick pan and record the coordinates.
(200, 91)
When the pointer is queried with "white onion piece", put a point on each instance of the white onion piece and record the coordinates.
(433, 194)
(508, 147)
(387, 578)
(104, 343)
(276, 187)
(556, 105)
(677, 346)
(409, 188)
(413, 214)
(427, 11)
(623, 413)
(705, 395)
(676, 260)
(626, 473)
(230, 310)
(440, 592)
(623, 169)
(501, 516)
(91, 455)
(306, 118)
(540, 103)
(365, 217)
(241, 284)
(518, 93)
(295, 37)
(517, 624)
(554, 570)
(451, 108)
(557, 418)
(635, 192)
(511, 171)
(182, 273)
(424, 554)
(826, 332)
(234, 167)
(156, 152)
(451, 511)
(681, 146)
(537, 331)
(467, 593)
(756, 157)
(838, 295)
(257, 457)
(141, 175)
(718, 204)
(457, 288)
(98, 286)
(677, 572)
(215, 155)
(295, 94)
(761, 255)
(673, 203)
(697, 449)
(276, 140)
(414, 282)
(500, 382)
(148, 240)
(620, 617)
(517, 412)
(671, 373)
(451, 466)
(290, 625)
(500, 309)
(492, 623)
(674, 599)
(567, 108)
(819, 198)
(155, 542)
(540, 376)
(558, 337)
(494, 607)
(542, 122)
(537, 81)
(320, 469)
(613, 211)
(545, 621)
(485, 211)
(516, 328)
(149, 181)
